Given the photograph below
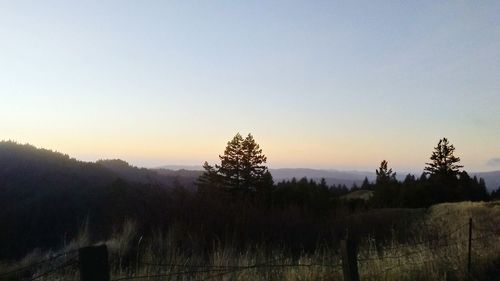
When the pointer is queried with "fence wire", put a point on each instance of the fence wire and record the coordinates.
(218, 271)
(490, 233)
(36, 264)
(221, 270)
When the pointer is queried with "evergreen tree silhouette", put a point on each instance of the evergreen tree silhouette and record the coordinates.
(384, 174)
(241, 167)
(231, 166)
(443, 162)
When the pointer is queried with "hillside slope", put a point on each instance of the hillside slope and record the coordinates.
(158, 177)
(46, 197)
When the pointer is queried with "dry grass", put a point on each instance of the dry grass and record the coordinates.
(440, 247)
(437, 251)
(359, 194)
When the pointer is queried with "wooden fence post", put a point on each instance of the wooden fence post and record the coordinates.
(348, 252)
(469, 257)
(94, 263)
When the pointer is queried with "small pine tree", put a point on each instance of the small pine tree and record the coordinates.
(365, 184)
(385, 189)
(495, 194)
(209, 178)
(384, 174)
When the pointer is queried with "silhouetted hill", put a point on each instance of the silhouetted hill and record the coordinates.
(46, 197)
(27, 166)
(182, 177)
(158, 177)
(180, 167)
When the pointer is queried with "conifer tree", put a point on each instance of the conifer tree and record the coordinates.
(365, 184)
(253, 160)
(241, 167)
(443, 162)
(231, 166)
(209, 178)
(384, 174)
(386, 189)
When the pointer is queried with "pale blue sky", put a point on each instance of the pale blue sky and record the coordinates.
(323, 84)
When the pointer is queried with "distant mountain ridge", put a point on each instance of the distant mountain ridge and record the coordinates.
(160, 177)
(180, 167)
(336, 177)
(45, 166)
(331, 177)
(492, 179)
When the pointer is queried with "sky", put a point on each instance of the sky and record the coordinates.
(320, 84)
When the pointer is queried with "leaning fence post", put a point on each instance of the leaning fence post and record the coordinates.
(94, 263)
(469, 259)
(349, 260)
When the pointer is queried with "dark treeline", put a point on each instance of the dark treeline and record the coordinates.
(47, 198)
(427, 190)
(442, 181)
(242, 170)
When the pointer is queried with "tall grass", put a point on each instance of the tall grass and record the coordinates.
(436, 250)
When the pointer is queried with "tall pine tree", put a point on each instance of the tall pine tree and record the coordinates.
(241, 167)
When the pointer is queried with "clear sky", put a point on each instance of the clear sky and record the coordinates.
(320, 84)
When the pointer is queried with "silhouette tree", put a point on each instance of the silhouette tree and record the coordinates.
(443, 162)
(254, 173)
(209, 178)
(386, 189)
(231, 166)
(384, 174)
(241, 168)
(365, 184)
(495, 194)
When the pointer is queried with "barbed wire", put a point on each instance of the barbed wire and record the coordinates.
(406, 264)
(222, 270)
(178, 273)
(387, 270)
(439, 237)
(338, 265)
(50, 271)
(243, 266)
(480, 238)
(496, 230)
(203, 265)
(215, 271)
(220, 274)
(36, 264)
(438, 246)
(167, 274)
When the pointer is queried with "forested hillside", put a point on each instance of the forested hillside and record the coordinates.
(46, 197)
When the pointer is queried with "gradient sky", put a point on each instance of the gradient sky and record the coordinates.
(321, 84)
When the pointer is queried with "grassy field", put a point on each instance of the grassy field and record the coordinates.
(436, 250)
